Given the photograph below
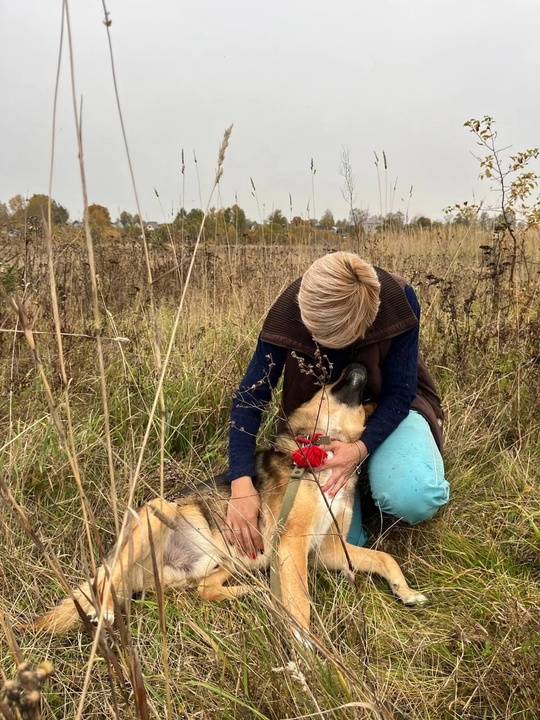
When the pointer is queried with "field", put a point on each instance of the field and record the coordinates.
(117, 368)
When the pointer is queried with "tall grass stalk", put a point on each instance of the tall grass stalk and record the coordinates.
(156, 344)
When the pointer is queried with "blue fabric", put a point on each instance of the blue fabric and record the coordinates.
(399, 372)
(357, 534)
(406, 476)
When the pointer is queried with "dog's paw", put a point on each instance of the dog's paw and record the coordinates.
(415, 600)
(303, 641)
(108, 615)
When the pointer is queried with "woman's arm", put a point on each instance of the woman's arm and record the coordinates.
(399, 378)
(249, 401)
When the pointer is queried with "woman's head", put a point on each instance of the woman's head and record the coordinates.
(339, 299)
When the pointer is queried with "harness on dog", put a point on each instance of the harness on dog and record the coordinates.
(308, 455)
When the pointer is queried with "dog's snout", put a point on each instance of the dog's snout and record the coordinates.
(349, 389)
(357, 374)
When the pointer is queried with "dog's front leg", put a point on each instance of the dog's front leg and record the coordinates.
(292, 565)
(332, 555)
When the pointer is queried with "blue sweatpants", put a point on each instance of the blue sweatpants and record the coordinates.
(406, 475)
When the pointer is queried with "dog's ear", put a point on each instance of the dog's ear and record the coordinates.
(369, 408)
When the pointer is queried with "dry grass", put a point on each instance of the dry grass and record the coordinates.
(472, 653)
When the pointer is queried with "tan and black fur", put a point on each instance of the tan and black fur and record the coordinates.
(180, 539)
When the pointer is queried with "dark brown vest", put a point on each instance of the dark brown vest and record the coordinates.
(284, 327)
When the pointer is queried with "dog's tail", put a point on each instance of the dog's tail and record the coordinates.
(67, 613)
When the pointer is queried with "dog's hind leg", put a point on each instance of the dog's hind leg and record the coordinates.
(145, 544)
(114, 580)
(134, 568)
(332, 555)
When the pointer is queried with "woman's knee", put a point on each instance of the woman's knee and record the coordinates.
(407, 473)
(415, 500)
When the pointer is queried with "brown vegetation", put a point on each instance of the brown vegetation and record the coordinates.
(67, 479)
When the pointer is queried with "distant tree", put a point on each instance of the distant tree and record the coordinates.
(277, 219)
(195, 215)
(217, 224)
(356, 220)
(37, 207)
(220, 224)
(129, 223)
(357, 216)
(60, 214)
(99, 217)
(422, 221)
(485, 221)
(225, 215)
(278, 225)
(327, 221)
(462, 218)
(128, 220)
(505, 221)
(4, 214)
(17, 204)
(238, 219)
(189, 222)
(394, 221)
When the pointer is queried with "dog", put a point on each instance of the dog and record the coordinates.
(179, 541)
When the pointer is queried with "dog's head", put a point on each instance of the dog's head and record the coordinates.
(336, 410)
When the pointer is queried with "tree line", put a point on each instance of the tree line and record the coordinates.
(21, 214)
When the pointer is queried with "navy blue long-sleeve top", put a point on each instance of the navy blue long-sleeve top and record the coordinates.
(399, 375)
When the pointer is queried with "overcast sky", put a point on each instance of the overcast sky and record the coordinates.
(299, 79)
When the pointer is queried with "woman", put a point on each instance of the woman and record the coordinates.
(344, 310)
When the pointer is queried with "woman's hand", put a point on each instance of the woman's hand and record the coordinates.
(346, 457)
(243, 518)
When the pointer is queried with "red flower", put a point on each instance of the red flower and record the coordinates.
(309, 455)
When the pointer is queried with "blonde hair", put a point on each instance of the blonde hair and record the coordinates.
(339, 299)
